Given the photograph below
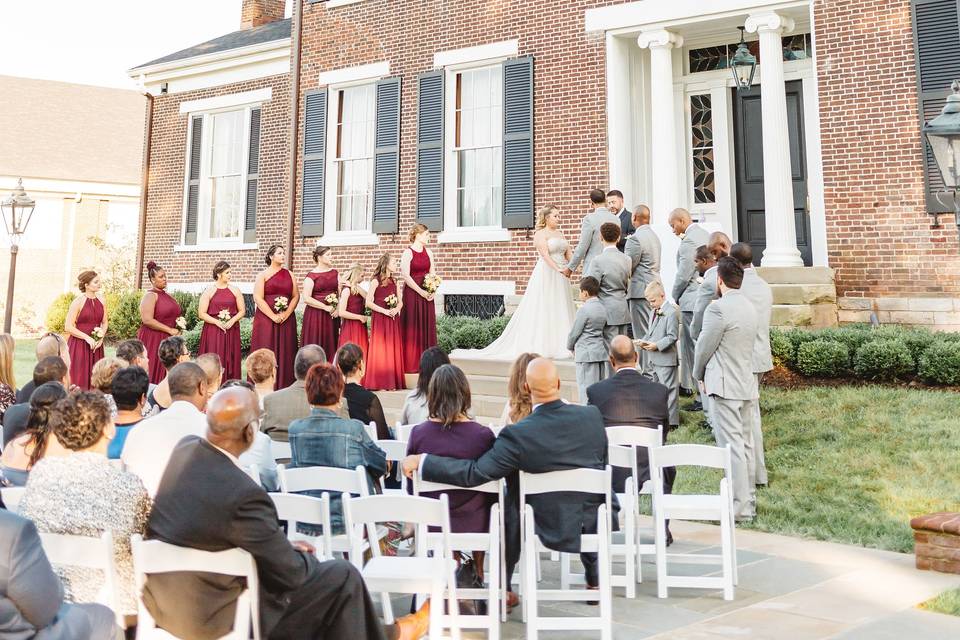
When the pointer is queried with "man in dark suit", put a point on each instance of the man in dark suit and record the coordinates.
(555, 437)
(206, 501)
(49, 344)
(50, 369)
(616, 205)
(628, 398)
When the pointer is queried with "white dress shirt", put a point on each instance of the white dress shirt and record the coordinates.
(148, 447)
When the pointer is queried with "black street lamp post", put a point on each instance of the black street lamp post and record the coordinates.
(17, 211)
(943, 136)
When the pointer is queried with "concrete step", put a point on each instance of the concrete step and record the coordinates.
(797, 275)
(789, 294)
(804, 315)
(482, 404)
(487, 367)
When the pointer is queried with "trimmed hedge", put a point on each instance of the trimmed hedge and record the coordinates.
(823, 358)
(124, 310)
(940, 363)
(57, 312)
(464, 332)
(887, 359)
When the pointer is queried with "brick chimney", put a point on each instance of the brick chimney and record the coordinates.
(260, 12)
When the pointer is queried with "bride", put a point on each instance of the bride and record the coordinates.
(546, 312)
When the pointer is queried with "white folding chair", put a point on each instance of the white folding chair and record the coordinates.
(12, 497)
(153, 556)
(90, 553)
(402, 431)
(492, 542)
(296, 509)
(496, 429)
(371, 429)
(254, 472)
(421, 573)
(694, 507)
(595, 481)
(280, 450)
(396, 451)
(623, 440)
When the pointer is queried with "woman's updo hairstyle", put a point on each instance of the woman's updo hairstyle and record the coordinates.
(318, 251)
(542, 214)
(78, 420)
(170, 350)
(42, 402)
(416, 230)
(268, 259)
(348, 358)
(219, 268)
(153, 269)
(85, 278)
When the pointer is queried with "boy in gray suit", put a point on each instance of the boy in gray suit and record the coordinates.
(586, 337)
(660, 345)
(589, 244)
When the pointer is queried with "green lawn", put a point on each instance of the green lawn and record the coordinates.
(947, 602)
(26, 357)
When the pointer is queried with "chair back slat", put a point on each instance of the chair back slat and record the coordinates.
(412, 509)
(79, 551)
(425, 486)
(699, 455)
(253, 471)
(280, 450)
(395, 449)
(333, 479)
(582, 480)
(371, 429)
(301, 509)
(635, 436)
(402, 431)
(12, 497)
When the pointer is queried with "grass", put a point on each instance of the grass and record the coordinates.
(25, 358)
(947, 602)
(849, 464)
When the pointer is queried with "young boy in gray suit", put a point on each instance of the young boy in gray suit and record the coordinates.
(660, 344)
(586, 337)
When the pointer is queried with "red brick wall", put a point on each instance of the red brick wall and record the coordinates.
(878, 232)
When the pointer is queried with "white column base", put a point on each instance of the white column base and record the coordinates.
(781, 257)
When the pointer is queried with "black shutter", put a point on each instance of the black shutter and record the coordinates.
(386, 158)
(430, 150)
(193, 181)
(253, 174)
(936, 33)
(314, 163)
(518, 143)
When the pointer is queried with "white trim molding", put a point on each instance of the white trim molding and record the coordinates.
(363, 72)
(231, 100)
(348, 239)
(72, 188)
(216, 246)
(199, 287)
(333, 4)
(474, 234)
(651, 12)
(478, 287)
(492, 52)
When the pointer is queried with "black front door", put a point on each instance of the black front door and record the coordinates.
(748, 142)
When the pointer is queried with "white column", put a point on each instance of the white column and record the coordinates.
(666, 193)
(778, 203)
(619, 106)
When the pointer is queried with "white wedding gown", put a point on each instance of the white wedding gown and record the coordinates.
(542, 321)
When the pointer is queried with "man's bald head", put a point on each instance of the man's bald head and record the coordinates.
(543, 381)
(641, 215)
(679, 220)
(622, 352)
(719, 244)
(231, 416)
(53, 345)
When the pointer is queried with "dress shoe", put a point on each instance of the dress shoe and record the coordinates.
(696, 406)
(513, 600)
(414, 625)
(686, 393)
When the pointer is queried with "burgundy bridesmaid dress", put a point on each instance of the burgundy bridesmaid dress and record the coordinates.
(166, 312)
(418, 322)
(225, 344)
(82, 357)
(319, 327)
(279, 338)
(354, 331)
(385, 359)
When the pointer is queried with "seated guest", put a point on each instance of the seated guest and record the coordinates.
(415, 408)
(262, 371)
(81, 493)
(207, 502)
(149, 446)
(29, 447)
(210, 363)
(260, 452)
(282, 407)
(50, 369)
(555, 436)
(31, 596)
(363, 404)
(519, 405)
(172, 351)
(134, 353)
(8, 382)
(49, 344)
(101, 379)
(130, 386)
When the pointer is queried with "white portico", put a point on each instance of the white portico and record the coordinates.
(681, 135)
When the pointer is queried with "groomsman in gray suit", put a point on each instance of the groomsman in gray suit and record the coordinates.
(612, 270)
(659, 344)
(685, 285)
(758, 292)
(717, 246)
(586, 337)
(643, 249)
(589, 245)
(723, 365)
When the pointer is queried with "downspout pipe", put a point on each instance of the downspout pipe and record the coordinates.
(297, 25)
(144, 184)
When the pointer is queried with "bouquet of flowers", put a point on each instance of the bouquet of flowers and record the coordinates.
(224, 316)
(97, 334)
(181, 323)
(332, 300)
(431, 282)
(391, 301)
(280, 304)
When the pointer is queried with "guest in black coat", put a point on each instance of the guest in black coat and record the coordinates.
(555, 437)
(49, 344)
(206, 501)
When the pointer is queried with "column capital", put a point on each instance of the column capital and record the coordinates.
(659, 38)
(769, 21)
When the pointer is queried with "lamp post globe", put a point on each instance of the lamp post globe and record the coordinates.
(743, 64)
(943, 135)
(17, 210)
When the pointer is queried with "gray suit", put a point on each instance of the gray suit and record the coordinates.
(587, 343)
(31, 596)
(724, 362)
(758, 292)
(684, 294)
(643, 249)
(664, 330)
(612, 269)
(282, 407)
(589, 245)
(707, 292)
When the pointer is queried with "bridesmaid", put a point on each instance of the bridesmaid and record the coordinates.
(321, 324)
(274, 326)
(418, 324)
(158, 319)
(353, 322)
(385, 364)
(85, 315)
(221, 307)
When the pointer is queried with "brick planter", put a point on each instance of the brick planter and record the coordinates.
(937, 538)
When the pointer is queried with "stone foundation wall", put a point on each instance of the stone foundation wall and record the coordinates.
(942, 314)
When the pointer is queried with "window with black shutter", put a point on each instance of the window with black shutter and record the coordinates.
(314, 163)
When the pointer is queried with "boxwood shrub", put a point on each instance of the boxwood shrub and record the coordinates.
(886, 359)
(823, 358)
(940, 363)
(124, 313)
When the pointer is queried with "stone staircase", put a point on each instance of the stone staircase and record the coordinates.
(802, 296)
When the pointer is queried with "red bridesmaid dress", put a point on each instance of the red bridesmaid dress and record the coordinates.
(82, 357)
(225, 344)
(166, 312)
(418, 322)
(279, 338)
(319, 327)
(385, 360)
(354, 331)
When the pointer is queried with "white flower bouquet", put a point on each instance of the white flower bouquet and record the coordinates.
(224, 315)
(281, 303)
(97, 334)
(431, 282)
(332, 300)
(391, 301)
(181, 323)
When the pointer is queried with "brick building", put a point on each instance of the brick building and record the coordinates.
(468, 115)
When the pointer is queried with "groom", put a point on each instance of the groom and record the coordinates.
(590, 245)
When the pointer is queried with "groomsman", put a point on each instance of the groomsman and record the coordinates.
(612, 270)
(615, 205)
(659, 344)
(758, 292)
(685, 285)
(586, 337)
(589, 245)
(643, 249)
(717, 246)
(723, 365)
